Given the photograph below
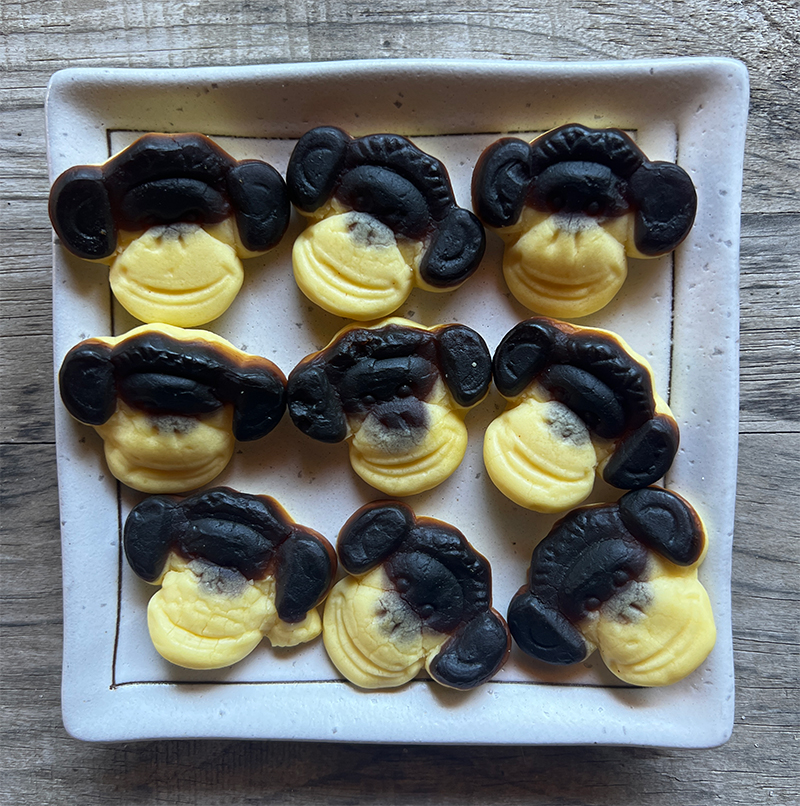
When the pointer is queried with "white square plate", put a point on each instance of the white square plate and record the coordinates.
(680, 311)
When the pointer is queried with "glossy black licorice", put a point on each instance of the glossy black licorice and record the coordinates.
(386, 371)
(443, 581)
(388, 177)
(251, 534)
(664, 522)
(157, 374)
(167, 179)
(475, 653)
(592, 555)
(644, 455)
(592, 374)
(599, 173)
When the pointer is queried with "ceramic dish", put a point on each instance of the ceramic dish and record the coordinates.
(680, 311)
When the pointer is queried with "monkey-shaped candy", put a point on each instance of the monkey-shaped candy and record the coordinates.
(173, 215)
(570, 206)
(418, 595)
(580, 401)
(233, 568)
(398, 393)
(620, 578)
(169, 403)
(383, 218)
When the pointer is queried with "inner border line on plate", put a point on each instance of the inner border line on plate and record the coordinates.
(342, 681)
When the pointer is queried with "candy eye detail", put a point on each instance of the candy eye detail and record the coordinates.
(418, 595)
(570, 206)
(620, 578)
(383, 218)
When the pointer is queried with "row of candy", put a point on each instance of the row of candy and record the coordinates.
(174, 215)
(169, 404)
(234, 568)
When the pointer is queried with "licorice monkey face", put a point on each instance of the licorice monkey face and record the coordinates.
(383, 219)
(398, 393)
(173, 216)
(570, 206)
(620, 578)
(233, 568)
(418, 595)
(580, 403)
(169, 403)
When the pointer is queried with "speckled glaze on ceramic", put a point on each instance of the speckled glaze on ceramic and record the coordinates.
(680, 311)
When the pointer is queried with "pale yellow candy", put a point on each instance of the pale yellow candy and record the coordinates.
(406, 463)
(181, 274)
(166, 453)
(352, 266)
(371, 636)
(658, 631)
(204, 617)
(563, 266)
(540, 455)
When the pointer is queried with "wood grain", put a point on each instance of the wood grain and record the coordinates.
(42, 765)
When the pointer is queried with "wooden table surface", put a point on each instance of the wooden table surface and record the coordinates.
(41, 764)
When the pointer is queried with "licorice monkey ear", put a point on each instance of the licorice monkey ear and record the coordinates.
(150, 531)
(81, 214)
(501, 181)
(314, 405)
(259, 404)
(306, 567)
(523, 353)
(474, 654)
(466, 363)
(456, 250)
(665, 523)
(372, 534)
(644, 455)
(544, 633)
(261, 204)
(315, 166)
(86, 382)
(665, 201)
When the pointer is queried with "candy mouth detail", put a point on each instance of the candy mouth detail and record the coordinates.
(427, 459)
(564, 274)
(179, 274)
(529, 461)
(668, 641)
(182, 452)
(367, 637)
(197, 629)
(349, 274)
